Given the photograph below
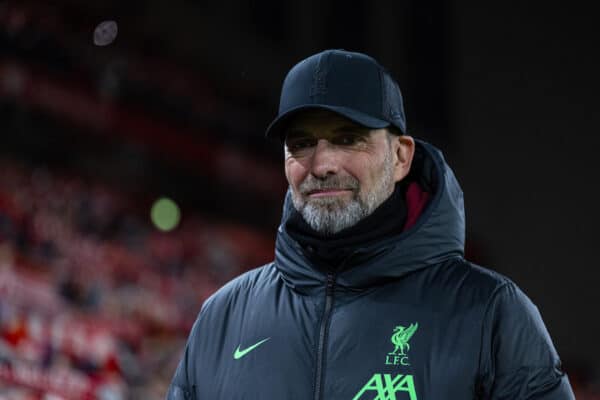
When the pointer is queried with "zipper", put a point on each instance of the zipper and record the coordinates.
(320, 374)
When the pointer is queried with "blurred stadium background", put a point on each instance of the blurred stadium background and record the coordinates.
(96, 301)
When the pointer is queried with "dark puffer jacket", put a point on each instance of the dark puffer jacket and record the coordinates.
(406, 318)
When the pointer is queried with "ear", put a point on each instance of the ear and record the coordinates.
(404, 151)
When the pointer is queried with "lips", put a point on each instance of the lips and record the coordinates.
(328, 192)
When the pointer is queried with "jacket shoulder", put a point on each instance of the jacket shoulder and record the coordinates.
(484, 279)
(217, 309)
(242, 286)
(470, 285)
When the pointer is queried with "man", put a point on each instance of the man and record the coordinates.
(369, 296)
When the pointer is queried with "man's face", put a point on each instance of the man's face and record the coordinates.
(340, 172)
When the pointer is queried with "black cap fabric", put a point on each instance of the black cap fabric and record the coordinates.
(351, 84)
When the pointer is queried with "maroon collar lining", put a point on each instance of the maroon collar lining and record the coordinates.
(416, 200)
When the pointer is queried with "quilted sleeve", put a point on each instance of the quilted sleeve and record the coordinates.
(182, 385)
(180, 388)
(518, 358)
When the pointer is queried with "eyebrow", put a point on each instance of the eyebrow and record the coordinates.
(295, 132)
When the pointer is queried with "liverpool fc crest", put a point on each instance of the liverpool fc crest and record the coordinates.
(400, 340)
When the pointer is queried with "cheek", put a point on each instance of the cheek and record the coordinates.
(367, 171)
(294, 172)
(361, 169)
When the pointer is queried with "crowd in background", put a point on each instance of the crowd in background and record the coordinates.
(94, 301)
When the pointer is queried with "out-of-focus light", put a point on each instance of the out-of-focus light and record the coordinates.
(105, 33)
(165, 214)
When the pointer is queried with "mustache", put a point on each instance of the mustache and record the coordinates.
(331, 182)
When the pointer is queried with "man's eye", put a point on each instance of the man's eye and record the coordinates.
(346, 140)
(300, 144)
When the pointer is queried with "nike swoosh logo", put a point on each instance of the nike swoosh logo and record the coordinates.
(241, 353)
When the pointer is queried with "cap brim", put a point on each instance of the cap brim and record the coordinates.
(277, 128)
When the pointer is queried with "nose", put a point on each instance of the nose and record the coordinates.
(325, 159)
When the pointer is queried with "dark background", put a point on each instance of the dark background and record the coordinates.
(178, 103)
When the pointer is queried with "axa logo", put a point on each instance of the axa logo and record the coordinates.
(386, 387)
(400, 340)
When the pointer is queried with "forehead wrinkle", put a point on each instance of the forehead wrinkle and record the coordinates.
(354, 128)
(326, 132)
(320, 117)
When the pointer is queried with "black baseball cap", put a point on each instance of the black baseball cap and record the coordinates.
(351, 84)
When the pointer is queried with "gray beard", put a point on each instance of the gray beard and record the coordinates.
(330, 215)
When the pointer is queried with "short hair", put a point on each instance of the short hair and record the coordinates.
(394, 130)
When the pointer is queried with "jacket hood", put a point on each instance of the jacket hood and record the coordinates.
(437, 235)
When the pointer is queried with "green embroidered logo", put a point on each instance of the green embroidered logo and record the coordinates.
(241, 353)
(400, 340)
(386, 387)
